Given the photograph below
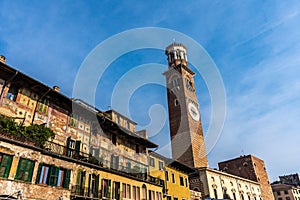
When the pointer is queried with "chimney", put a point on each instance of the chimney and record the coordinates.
(2, 59)
(56, 88)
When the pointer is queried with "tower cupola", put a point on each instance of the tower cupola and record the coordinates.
(176, 54)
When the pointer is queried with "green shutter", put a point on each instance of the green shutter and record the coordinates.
(6, 161)
(102, 188)
(68, 142)
(77, 146)
(54, 171)
(79, 175)
(67, 179)
(108, 188)
(38, 176)
(82, 181)
(97, 184)
(30, 170)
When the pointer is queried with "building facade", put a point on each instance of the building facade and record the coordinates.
(94, 154)
(283, 191)
(252, 168)
(175, 176)
(220, 185)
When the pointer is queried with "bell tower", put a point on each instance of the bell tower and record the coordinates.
(187, 138)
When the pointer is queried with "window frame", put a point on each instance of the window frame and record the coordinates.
(25, 169)
(151, 162)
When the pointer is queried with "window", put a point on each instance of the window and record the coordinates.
(278, 192)
(234, 197)
(137, 148)
(189, 85)
(173, 178)
(175, 198)
(114, 162)
(43, 106)
(25, 170)
(5, 163)
(249, 197)
(287, 198)
(242, 196)
(138, 193)
(215, 193)
(106, 184)
(167, 175)
(161, 165)
(181, 181)
(133, 192)
(279, 198)
(124, 190)
(176, 102)
(186, 182)
(74, 120)
(12, 93)
(114, 139)
(285, 192)
(128, 166)
(175, 83)
(93, 186)
(128, 192)
(53, 176)
(152, 162)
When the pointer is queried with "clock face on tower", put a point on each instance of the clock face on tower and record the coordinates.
(194, 112)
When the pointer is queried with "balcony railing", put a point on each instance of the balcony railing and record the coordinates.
(91, 193)
(88, 158)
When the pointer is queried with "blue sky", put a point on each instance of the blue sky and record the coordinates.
(255, 44)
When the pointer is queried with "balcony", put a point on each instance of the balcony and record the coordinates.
(66, 153)
(79, 192)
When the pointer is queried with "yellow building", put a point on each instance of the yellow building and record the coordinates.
(175, 176)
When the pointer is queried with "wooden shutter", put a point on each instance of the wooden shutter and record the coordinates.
(67, 179)
(97, 184)
(54, 171)
(77, 146)
(38, 176)
(108, 188)
(30, 170)
(6, 161)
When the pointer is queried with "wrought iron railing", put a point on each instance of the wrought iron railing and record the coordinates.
(78, 155)
(92, 193)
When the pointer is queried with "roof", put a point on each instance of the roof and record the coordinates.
(173, 163)
(65, 104)
(241, 157)
(123, 116)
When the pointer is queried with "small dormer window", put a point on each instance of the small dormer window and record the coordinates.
(117, 120)
(127, 124)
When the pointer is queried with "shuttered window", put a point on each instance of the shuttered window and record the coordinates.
(106, 188)
(5, 164)
(25, 170)
(53, 176)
